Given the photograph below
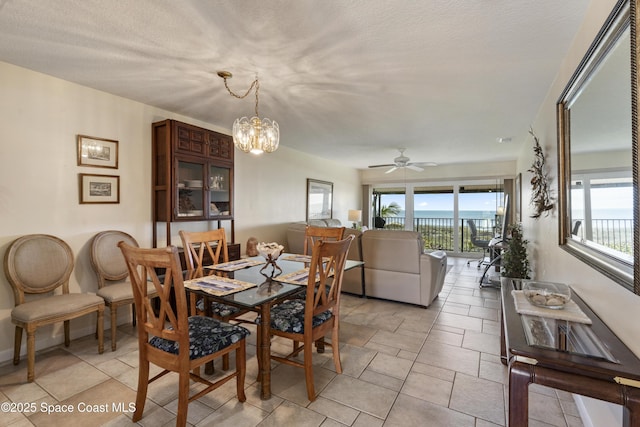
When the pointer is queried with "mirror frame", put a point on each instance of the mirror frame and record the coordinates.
(623, 16)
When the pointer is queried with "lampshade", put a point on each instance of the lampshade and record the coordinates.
(500, 210)
(355, 215)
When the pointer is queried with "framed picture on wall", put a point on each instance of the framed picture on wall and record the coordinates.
(518, 197)
(319, 199)
(99, 188)
(97, 152)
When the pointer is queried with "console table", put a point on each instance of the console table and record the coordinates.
(614, 377)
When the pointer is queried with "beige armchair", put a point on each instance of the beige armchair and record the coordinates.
(396, 267)
(40, 264)
(113, 284)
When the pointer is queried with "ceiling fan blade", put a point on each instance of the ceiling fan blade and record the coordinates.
(414, 168)
(392, 169)
(381, 166)
(423, 164)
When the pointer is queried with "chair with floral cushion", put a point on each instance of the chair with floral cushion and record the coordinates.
(307, 321)
(172, 340)
(214, 244)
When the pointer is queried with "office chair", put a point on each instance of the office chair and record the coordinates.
(484, 244)
(576, 227)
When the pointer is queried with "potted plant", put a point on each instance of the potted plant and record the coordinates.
(515, 262)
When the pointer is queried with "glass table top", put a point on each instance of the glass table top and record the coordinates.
(268, 287)
(562, 335)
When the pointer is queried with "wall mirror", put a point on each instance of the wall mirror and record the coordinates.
(597, 153)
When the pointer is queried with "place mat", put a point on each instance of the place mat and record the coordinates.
(236, 265)
(301, 258)
(570, 312)
(298, 258)
(300, 277)
(218, 286)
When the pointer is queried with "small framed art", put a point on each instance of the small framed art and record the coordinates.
(99, 188)
(98, 152)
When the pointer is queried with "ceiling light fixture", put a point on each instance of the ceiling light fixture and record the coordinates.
(253, 135)
(504, 140)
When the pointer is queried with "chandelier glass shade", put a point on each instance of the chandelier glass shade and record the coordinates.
(254, 135)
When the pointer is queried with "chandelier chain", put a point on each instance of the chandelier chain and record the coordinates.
(255, 84)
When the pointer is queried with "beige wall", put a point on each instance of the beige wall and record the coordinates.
(615, 305)
(41, 117)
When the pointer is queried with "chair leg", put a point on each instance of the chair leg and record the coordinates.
(31, 353)
(67, 339)
(17, 345)
(241, 369)
(100, 327)
(308, 370)
(335, 346)
(143, 383)
(183, 399)
(114, 326)
(225, 362)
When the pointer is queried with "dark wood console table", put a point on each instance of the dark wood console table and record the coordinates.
(617, 382)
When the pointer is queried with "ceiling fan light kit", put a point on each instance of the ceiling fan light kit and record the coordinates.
(253, 135)
(403, 161)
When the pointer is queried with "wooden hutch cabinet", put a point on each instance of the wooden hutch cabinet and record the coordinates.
(192, 177)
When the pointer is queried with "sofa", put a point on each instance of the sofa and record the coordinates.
(395, 265)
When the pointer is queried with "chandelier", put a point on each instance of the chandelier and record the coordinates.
(254, 135)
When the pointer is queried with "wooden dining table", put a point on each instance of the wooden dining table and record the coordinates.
(269, 288)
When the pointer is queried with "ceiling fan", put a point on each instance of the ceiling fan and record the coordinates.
(402, 161)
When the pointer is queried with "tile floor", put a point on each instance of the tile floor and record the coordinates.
(403, 366)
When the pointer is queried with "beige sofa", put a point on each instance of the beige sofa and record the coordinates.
(395, 267)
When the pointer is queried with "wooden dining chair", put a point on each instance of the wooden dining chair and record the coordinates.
(312, 234)
(196, 246)
(40, 264)
(113, 283)
(172, 340)
(309, 320)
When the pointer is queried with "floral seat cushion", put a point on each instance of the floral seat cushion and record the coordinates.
(218, 309)
(289, 317)
(206, 336)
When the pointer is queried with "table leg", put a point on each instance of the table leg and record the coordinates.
(631, 408)
(519, 378)
(503, 343)
(265, 351)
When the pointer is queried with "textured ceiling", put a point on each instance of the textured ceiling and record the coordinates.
(346, 80)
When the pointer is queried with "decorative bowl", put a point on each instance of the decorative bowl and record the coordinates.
(270, 251)
(547, 294)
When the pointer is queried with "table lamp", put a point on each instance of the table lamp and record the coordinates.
(355, 216)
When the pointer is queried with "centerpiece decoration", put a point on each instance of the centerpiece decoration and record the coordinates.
(270, 252)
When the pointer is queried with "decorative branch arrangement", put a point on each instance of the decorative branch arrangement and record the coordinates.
(541, 198)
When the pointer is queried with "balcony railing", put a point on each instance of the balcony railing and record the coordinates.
(437, 233)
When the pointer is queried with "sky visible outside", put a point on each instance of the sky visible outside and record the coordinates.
(443, 202)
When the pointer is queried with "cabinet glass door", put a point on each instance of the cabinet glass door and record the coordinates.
(190, 179)
(219, 192)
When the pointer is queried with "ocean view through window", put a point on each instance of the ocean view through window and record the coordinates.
(440, 214)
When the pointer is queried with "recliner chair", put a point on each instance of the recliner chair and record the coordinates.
(484, 244)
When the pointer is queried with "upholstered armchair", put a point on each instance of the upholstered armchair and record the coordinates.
(397, 268)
